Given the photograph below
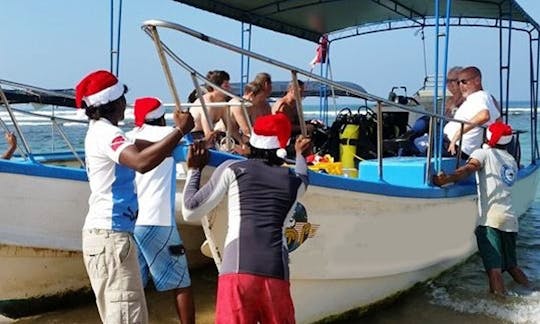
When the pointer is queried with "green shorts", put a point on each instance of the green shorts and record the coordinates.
(497, 248)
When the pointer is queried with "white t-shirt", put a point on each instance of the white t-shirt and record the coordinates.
(475, 103)
(113, 200)
(156, 189)
(494, 179)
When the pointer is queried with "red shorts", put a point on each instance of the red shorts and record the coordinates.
(248, 299)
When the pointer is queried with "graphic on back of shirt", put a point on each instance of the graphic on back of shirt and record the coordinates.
(508, 175)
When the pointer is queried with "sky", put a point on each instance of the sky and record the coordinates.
(53, 44)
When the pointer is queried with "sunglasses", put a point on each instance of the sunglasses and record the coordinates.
(464, 81)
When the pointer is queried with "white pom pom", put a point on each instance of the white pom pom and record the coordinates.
(282, 153)
(485, 146)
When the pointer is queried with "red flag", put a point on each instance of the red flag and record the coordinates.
(322, 50)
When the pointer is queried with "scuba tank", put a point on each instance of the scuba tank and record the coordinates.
(348, 139)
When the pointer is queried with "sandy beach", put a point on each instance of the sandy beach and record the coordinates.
(160, 305)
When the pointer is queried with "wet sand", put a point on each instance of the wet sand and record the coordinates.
(160, 305)
(413, 307)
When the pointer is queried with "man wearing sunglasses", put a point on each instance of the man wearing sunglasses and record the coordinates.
(478, 109)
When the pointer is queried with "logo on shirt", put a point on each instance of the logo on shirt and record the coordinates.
(117, 142)
(508, 175)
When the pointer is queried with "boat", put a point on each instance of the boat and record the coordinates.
(44, 199)
(387, 229)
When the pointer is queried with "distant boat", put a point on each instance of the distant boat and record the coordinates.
(389, 228)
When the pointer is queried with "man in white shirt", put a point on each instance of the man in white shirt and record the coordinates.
(109, 250)
(161, 250)
(478, 109)
(496, 171)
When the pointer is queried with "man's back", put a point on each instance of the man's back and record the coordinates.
(495, 179)
(260, 200)
(155, 188)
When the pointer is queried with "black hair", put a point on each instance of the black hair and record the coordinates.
(108, 110)
(192, 96)
(160, 121)
(269, 156)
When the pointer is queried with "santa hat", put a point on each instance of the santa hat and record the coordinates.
(147, 108)
(98, 88)
(271, 132)
(499, 134)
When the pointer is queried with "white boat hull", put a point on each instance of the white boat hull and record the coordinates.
(40, 242)
(378, 246)
(369, 247)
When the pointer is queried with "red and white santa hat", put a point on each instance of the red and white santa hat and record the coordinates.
(272, 132)
(98, 88)
(147, 108)
(499, 133)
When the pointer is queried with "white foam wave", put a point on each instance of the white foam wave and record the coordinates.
(516, 308)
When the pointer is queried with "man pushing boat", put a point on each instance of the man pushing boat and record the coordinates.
(253, 284)
(109, 250)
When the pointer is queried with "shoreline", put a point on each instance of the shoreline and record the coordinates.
(160, 304)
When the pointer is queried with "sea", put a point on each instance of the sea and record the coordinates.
(460, 295)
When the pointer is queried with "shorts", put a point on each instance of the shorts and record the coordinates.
(162, 256)
(110, 259)
(247, 298)
(497, 248)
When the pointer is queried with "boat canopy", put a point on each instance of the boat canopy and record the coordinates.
(311, 89)
(19, 93)
(23, 96)
(311, 19)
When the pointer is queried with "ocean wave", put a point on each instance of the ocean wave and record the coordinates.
(520, 306)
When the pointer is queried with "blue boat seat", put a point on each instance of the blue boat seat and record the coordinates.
(407, 171)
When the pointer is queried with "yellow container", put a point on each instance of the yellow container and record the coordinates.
(347, 150)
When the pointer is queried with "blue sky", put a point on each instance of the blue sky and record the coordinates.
(54, 43)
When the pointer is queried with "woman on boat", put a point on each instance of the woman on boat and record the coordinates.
(264, 81)
(453, 102)
(215, 114)
(109, 250)
(238, 125)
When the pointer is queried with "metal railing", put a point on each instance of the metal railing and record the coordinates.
(151, 26)
(56, 121)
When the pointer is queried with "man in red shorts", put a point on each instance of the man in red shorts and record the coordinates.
(253, 283)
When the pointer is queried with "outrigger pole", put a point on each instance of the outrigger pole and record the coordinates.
(115, 51)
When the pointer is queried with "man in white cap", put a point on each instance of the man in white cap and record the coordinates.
(161, 250)
(253, 283)
(109, 250)
(496, 171)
